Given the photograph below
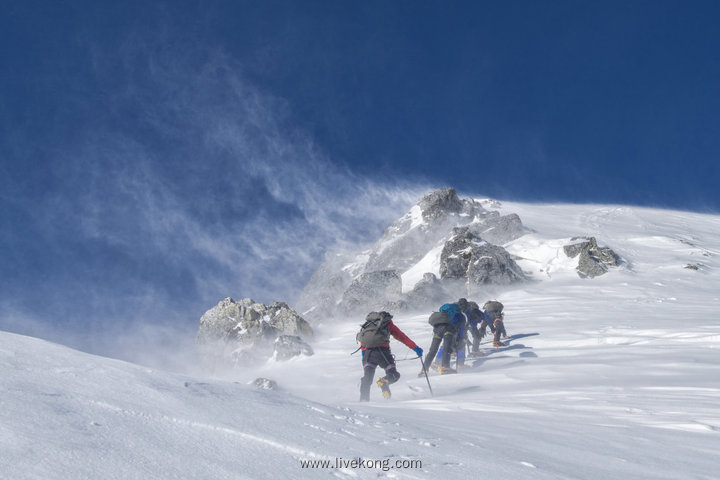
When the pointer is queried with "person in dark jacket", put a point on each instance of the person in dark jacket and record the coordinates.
(477, 324)
(495, 316)
(447, 331)
(376, 353)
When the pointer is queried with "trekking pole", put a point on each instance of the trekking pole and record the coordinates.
(426, 376)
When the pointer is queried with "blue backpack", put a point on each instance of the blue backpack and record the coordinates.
(453, 311)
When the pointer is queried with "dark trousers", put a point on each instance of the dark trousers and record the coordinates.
(497, 324)
(499, 329)
(444, 334)
(483, 328)
(477, 335)
(373, 358)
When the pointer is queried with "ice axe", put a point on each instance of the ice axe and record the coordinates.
(426, 376)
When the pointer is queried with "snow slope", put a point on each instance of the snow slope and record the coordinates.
(614, 377)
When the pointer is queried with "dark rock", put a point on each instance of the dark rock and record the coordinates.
(440, 203)
(287, 321)
(594, 260)
(467, 256)
(493, 265)
(576, 249)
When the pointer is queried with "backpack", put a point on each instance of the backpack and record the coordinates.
(438, 318)
(494, 309)
(375, 331)
(474, 314)
(452, 310)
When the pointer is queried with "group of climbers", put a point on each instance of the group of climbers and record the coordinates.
(464, 316)
(450, 325)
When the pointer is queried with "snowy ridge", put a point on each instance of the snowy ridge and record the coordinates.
(614, 377)
(430, 263)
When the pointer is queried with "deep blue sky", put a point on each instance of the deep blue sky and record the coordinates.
(156, 157)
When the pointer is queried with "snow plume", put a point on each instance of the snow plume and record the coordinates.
(186, 184)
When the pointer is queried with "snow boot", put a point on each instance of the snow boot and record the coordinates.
(384, 386)
(498, 343)
(447, 371)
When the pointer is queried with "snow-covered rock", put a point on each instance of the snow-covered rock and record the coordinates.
(237, 333)
(467, 256)
(440, 203)
(405, 242)
(594, 260)
(411, 248)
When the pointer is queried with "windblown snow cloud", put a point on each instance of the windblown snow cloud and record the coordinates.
(184, 185)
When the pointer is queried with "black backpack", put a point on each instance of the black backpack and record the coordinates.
(438, 318)
(474, 314)
(375, 331)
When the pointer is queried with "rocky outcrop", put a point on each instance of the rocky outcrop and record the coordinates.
(467, 256)
(238, 333)
(440, 203)
(354, 282)
(406, 241)
(493, 265)
(594, 260)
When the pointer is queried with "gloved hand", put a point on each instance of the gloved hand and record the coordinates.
(418, 350)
